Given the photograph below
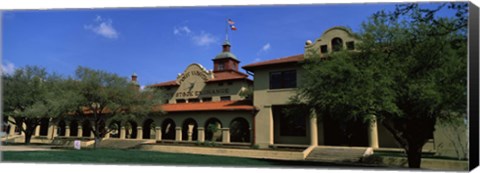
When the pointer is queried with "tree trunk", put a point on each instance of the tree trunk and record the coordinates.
(97, 142)
(28, 137)
(414, 155)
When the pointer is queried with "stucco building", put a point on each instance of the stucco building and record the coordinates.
(224, 105)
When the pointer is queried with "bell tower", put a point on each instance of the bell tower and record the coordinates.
(226, 60)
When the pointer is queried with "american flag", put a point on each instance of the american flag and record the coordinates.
(230, 22)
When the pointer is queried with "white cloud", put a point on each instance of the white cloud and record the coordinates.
(204, 39)
(200, 39)
(184, 30)
(103, 27)
(8, 68)
(266, 47)
(257, 60)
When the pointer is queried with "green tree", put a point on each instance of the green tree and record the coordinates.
(105, 96)
(31, 94)
(409, 71)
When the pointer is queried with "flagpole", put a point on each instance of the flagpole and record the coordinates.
(226, 30)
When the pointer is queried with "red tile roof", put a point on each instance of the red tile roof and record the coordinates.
(238, 105)
(289, 59)
(164, 84)
(218, 76)
(228, 75)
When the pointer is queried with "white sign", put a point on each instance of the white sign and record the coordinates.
(77, 144)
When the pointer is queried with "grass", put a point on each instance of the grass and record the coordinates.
(115, 156)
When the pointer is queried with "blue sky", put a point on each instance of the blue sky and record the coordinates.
(159, 43)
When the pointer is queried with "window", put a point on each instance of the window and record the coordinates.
(230, 83)
(350, 45)
(292, 120)
(337, 44)
(225, 98)
(323, 49)
(220, 67)
(194, 100)
(283, 79)
(207, 99)
(180, 101)
(220, 84)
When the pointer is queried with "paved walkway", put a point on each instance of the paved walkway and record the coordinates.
(25, 147)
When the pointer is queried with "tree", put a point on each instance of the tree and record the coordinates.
(105, 96)
(31, 94)
(409, 72)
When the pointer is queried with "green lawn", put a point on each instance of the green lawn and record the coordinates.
(113, 156)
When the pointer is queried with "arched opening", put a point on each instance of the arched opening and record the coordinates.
(213, 130)
(168, 129)
(337, 44)
(73, 128)
(44, 123)
(114, 128)
(61, 128)
(131, 130)
(86, 128)
(189, 130)
(5, 125)
(148, 129)
(239, 130)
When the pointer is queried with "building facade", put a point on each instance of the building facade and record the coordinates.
(223, 105)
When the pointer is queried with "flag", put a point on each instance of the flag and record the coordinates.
(230, 22)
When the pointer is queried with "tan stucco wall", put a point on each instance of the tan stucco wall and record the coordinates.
(385, 138)
(201, 88)
(451, 139)
(264, 98)
(326, 39)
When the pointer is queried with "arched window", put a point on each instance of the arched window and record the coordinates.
(239, 130)
(337, 44)
(189, 130)
(213, 131)
(168, 129)
(148, 129)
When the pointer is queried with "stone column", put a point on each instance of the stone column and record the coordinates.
(37, 130)
(12, 129)
(67, 131)
(24, 127)
(201, 134)
(313, 128)
(122, 132)
(373, 133)
(107, 135)
(178, 133)
(158, 133)
(139, 132)
(190, 132)
(79, 131)
(54, 131)
(50, 131)
(226, 135)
